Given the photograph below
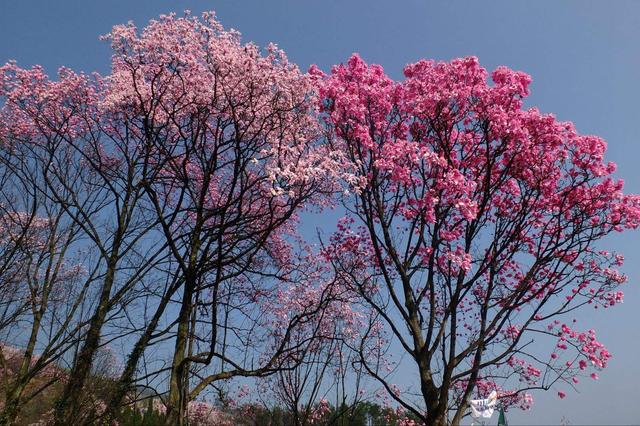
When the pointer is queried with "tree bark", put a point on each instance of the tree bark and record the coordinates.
(176, 401)
(127, 376)
(68, 406)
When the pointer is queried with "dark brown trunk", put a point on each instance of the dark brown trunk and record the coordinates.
(127, 376)
(68, 406)
(176, 401)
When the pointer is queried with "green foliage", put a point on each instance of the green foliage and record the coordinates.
(134, 416)
(360, 414)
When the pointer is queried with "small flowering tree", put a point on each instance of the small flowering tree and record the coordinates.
(471, 232)
(325, 369)
(41, 303)
(204, 414)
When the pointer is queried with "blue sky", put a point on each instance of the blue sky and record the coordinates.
(584, 57)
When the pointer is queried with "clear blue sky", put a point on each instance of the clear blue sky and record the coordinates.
(584, 57)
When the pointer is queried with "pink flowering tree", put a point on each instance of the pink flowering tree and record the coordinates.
(183, 172)
(471, 231)
(232, 153)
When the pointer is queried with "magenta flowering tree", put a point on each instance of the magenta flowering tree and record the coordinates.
(471, 231)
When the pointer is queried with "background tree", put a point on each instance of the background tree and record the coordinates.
(41, 323)
(325, 382)
(45, 288)
(88, 170)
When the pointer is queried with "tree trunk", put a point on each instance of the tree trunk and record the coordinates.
(176, 401)
(12, 406)
(126, 378)
(15, 389)
(68, 406)
(440, 419)
(435, 400)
